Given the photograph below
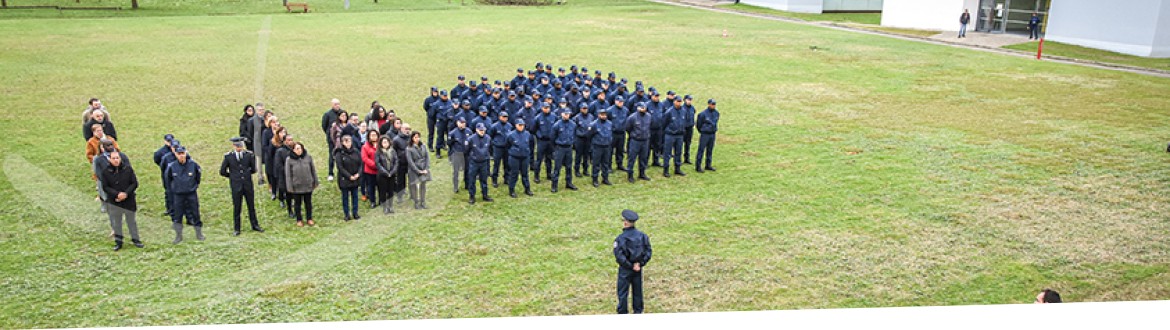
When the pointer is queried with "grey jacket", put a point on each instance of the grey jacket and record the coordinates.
(417, 159)
(300, 176)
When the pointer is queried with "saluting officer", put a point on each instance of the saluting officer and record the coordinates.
(632, 251)
(638, 126)
(708, 124)
(238, 166)
(601, 135)
(182, 178)
(564, 135)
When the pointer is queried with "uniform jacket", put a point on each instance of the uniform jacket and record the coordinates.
(708, 122)
(519, 144)
(638, 126)
(674, 121)
(499, 133)
(183, 178)
(618, 116)
(564, 132)
(689, 115)
(601, 132)
(479, 148)
(584, 124)
(543, 125)
(457, 139)
(632, 246)
(238, 171)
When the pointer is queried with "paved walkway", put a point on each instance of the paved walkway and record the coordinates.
(977, 41)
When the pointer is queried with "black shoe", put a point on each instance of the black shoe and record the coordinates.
(536, 179)
(138, 244)
(666, 174)
(630, 179)
(488, 199)
(596, 184)
(258, 229)
(528, 192)
(117, 246)
(495, 185)
(291, 215)
(347, 218)
(554, 189)
(422, 205)
(679, 173)
(513, 194)
(471, 201)
(698, 170)
(606, 182)
(199, 236)
(643, 177)
(282, 204)
(273, 197)
(710, 168)
(373, 204)
(577, 174)
(357, 217)
(178, 239)
(571, 187)
(235, 233)
(656, 164)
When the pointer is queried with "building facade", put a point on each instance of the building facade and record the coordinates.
(819, 6)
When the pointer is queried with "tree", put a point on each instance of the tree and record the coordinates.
(133, 4)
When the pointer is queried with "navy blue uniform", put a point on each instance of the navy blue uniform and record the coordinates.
(479, 155)
(708, 125)
(618, 116)
(601, 136)
(631, 247)
(543, 127)
(499, 133)
(519, 151)
(656, 136)
(584, 154)
(688, 131)
(430, 111)
(239, 169)
(674, 123)
(182, 180)
(564, 135)
(638, 127)
(443, 112)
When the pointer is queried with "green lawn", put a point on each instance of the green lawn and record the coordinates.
(861, 18)
(1091, 54)
(878, 172)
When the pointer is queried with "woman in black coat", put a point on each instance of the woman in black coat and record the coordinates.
(279, 157)
(349, 174)
(387, 161)
(246, 128)
(120, 184)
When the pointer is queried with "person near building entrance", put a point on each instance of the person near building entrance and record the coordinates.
(1034, 27)
(963, 20)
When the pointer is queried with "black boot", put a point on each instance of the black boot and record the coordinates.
(554, 188)
(630, 177)
(117, 245)
(606, 182)
(698, 169)
(571, 186)
(487, 198)
(666, 172)
(471, 200)
(528, 191)
(709, 168)
(643, 176)
(536, 178)
(178, 227)
(512, 192)
(199, 233)
(138, 244)
(595, 183)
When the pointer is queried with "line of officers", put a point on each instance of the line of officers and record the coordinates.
(574, 128)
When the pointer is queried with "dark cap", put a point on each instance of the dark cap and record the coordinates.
(711, 101)
(466, 102)
(175, 143)
(562, 100)
(503, 113)
(482, 109)
(539, 65)
(669, 92)
(483, 78)
(519, 69)
(583, 106)
(443, 93)
(688, 97)
(169, 137)
(573, 67)
(461, 77)
(612, 75)
(630, 216)
(237, 139)
(461, 120)
(479, 126)
(520, 121)
(499, 82)
(619, 99)
(561, 69)
(180, 149)
(434, 89)
(602, 110)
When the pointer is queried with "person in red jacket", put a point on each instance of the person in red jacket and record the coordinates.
(370, 167)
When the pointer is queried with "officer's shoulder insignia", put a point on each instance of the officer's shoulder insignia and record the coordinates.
(615, 244)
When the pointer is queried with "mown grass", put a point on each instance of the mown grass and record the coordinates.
(878, 172)
(1091, 54)
(861, 18)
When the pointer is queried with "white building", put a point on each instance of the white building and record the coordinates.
(819, 6)
(1136, 27)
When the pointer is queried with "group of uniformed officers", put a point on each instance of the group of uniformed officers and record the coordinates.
(569, 121)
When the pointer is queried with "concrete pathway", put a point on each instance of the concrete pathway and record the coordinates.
(983, 42)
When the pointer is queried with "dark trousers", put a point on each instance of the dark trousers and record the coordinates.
(1034, 32)
(117, 214)
(672, 150)
(688, 133)
(601, 161)
(517, 167)
(581, 163)
(370, 187)
(532, 154)
(627, 279)
(544, 154)
(477, 172)
(283, 195)
(499, 156)
(431, 130)
(186, 205)
(331, 162)
(639, 150)
(270, 174)
(384, 185)
(656, 137)
(238, 197)
(619, 147)
(706, 144)
(441, 139)
(562, 158)
(307, 199)
(349, 201)
(169, 199)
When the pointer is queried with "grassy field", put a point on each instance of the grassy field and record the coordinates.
(880, 172)
(861, 18)
(1084, 53)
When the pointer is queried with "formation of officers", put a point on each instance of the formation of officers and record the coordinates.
(571, 121)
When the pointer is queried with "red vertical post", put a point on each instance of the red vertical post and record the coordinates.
(1040, 48)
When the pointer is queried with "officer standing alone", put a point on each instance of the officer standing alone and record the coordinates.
(707, 124)
(632, 251)
(238, 166)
